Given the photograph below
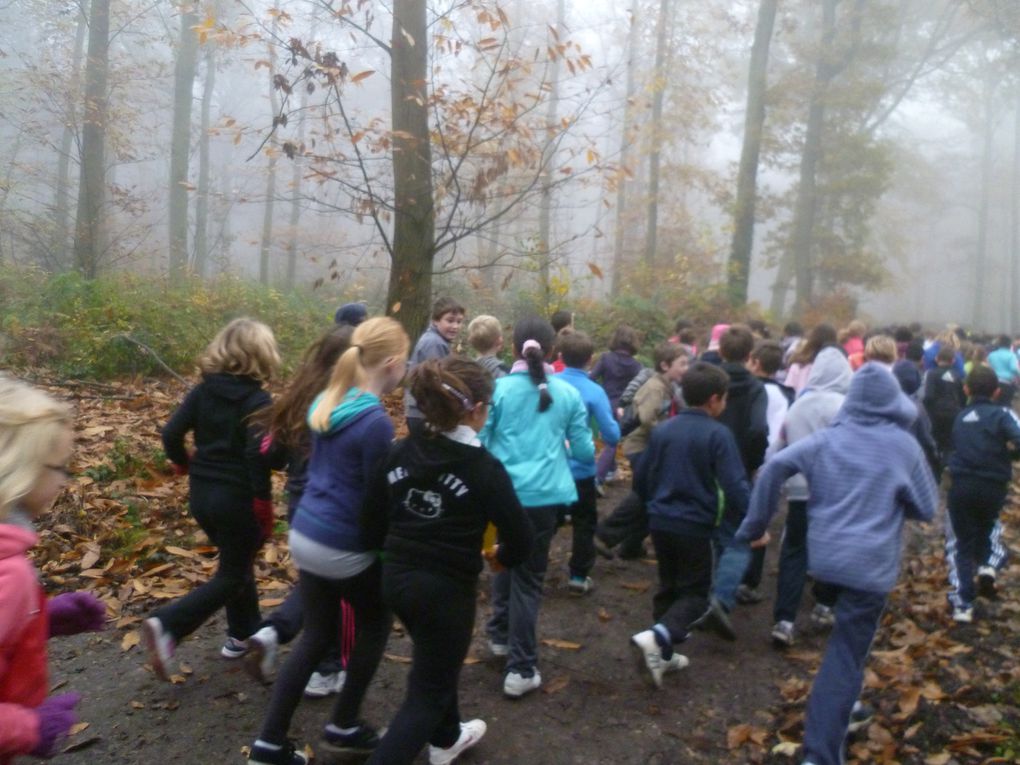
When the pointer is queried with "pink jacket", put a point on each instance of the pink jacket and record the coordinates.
(24, 628)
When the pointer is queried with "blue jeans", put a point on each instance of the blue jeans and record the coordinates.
(838, 683)
(734, 558)
(517, 596)
(793, 563)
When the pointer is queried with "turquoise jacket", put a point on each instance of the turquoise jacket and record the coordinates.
(534, 446)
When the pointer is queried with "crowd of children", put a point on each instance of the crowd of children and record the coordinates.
(853, 428)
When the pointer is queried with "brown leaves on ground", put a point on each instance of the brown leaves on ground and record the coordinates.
(121, 529)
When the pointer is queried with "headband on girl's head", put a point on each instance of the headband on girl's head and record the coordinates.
(464, 400)
(529, 344)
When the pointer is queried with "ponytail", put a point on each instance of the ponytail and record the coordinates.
(533, 339)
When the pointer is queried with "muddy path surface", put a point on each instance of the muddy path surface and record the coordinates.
(594, 706)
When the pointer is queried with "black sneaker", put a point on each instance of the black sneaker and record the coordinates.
(362, 741)
(860, 717)
(286, 755)
(717, 619)
(986, 582)
(603, 549)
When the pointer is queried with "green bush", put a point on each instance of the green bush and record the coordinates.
(81, 328)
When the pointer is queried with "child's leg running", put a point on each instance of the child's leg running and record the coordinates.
(841, 675)
(526, 594)
(998, 554)
(224, 513)
(442, 636)
(584, 517)
(685, 577)
(322, 614)
(792, 563)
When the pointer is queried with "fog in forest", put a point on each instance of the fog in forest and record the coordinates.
(816, 158)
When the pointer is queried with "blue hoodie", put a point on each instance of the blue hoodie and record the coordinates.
(599, 409)
(342, 461)
(865, 475)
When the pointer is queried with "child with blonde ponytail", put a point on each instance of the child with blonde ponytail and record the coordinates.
(35, 448)
(351, 435)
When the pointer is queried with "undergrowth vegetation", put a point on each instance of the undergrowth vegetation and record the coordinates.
(100, 329)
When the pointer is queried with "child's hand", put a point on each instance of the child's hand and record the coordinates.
(74, 612)
(56, 716)
(761, 541)
(490, 555)
(263, 509)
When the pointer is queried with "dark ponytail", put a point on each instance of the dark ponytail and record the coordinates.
(447, 389)
(533, 339)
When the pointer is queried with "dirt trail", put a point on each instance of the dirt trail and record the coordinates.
(594, 707)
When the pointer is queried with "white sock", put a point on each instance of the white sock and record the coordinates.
(267, 745)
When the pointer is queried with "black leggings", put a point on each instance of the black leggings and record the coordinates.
(225, 514)
(321, 599)
(439, 614)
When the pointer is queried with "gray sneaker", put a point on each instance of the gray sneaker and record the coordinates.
(782, 634)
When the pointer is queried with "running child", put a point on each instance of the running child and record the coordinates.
(229, 489)
(866, 475)
(485, 336)
(35, 448)
(530, 419)
(986, 439)
(439, 490)
(689, 460)
(351, 435)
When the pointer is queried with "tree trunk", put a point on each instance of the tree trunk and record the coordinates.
(410, 287)
(202, 198)
(984, 205)
(1014, 220)
(747, 178)
(62, 193)
(180, 141)
(91, 186)
(626, 138)
(295, 198)
(267, 208)
(548, 152)
(655, 156)
(802, 239)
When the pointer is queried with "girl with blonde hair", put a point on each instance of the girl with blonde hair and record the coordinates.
(229, 488)
(351, 436)
(35, 448)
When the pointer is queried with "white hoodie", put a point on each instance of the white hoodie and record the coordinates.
(814, 408)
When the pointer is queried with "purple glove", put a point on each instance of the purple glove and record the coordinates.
(74, 612)
(56, 716)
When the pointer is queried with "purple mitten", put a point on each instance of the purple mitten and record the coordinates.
(74, 612)
(56, 716)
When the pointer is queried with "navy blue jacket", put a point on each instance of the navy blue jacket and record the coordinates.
(689, 460)
(980, 436)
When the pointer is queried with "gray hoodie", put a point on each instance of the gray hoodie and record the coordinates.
(867, 475)
(814, 409)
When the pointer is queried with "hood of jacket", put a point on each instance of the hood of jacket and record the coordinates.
(875, 398)
(351, 407)
(230, 387)
(434, 454)
(830, 372)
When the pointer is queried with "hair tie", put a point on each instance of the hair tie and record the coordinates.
(543, 386)
(464, 400)
(529, 344)
(358, 347)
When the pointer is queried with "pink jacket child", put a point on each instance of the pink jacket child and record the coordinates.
(31, 723)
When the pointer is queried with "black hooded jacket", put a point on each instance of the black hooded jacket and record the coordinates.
(218, 411)
(746, 415)
(438, 495)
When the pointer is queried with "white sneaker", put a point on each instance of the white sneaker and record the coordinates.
(581, 585)
(963, 615)
(320, 685)
(516, 685)
(260, 661)
(823, 616)
(471, 733)
(649, 655)
(499, 650)
(159, 646)
(782, 634)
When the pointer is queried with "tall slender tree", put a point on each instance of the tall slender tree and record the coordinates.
(660, 83)
(180, 140)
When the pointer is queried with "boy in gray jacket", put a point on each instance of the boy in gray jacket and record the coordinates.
(866, 475)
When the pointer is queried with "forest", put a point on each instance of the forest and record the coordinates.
(711, 159)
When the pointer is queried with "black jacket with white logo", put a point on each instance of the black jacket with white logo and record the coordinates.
(439, 495)
(982, 435)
